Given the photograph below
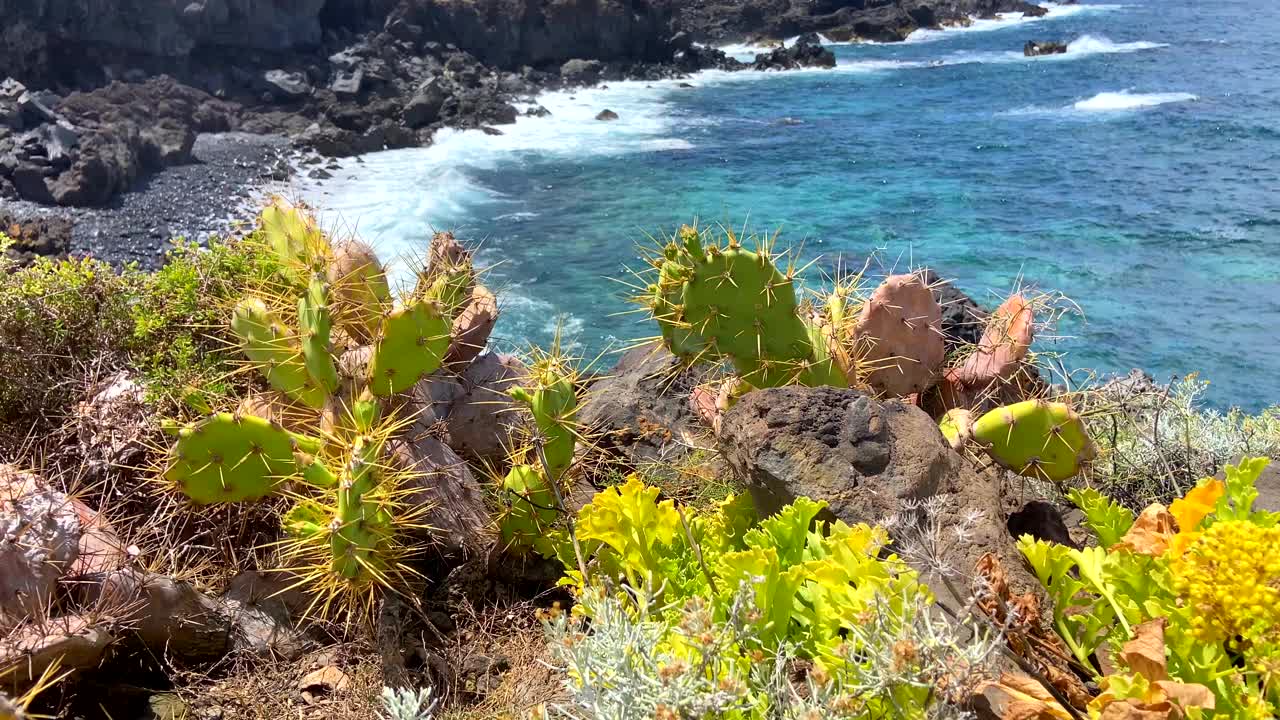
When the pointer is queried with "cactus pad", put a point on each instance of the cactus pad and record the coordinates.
(306, 519)
(553, 401)
(472, 327)
(1036, 438)
(1003, 347)
(903, 325)
(411, 345)
(267, 343)
(315, 325)
(530, 509)
(730, 302)
(360, 525)
(957, 427)
(229, 458)
(359, 288)
(293, 234)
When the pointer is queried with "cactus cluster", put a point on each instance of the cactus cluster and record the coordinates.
(717, 300)
(339, 351)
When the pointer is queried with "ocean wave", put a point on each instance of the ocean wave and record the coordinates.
(1005, 20)
(747, 52)
(1083, 46)
(1106, 102)
(397, 196)
(1125, 100)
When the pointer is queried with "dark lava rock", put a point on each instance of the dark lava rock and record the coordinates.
(606, 115)
(807, 51)
(642, 404)
(872, 462)
(581, 72)
(99, 143)
(963, 320)
(882, 21)
(46, 235)
(425, 105)
(1035, 49)
(287, 85)
(513, 33)
(1042, 521)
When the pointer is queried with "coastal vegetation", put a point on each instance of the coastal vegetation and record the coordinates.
(266, 482)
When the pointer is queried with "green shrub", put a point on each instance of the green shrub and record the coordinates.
(713, 614)
(58, 319)
(179, 314)
(65, 322)
(1157, 444)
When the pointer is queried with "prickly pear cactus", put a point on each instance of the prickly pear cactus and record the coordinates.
(1003, 347)
(274, 349)
(293, 234)
(346, 540)
(233, 458)
(530, 511)
(360, 291)
(957, 427)
(449, 277)
(346, 524)
(530, 498)
(472, 327)
(902, 324)
(410, 345)
(315, 324)
(727, 302)
(553, 401)
(1036, 438)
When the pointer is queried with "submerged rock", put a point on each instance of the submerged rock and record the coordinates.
(607, 115)
(1035, 49)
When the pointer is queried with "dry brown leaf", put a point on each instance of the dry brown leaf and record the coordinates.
(1027, 635)
(1187, 695)
(1018, 697)
(1145, 653)
(1150, 533)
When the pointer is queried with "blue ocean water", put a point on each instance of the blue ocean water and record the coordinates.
(1138, 174)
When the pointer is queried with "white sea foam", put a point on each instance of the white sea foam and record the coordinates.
(1005, 20)
(394, 198)
(1081, 47)
(747, 52)
(1125, 100)
(1105, 103)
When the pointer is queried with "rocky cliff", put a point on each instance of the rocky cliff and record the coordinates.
(841, 20)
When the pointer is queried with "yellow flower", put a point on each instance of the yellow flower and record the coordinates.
(1190, 510)
(1230, 578)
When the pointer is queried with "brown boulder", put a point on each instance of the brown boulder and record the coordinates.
(484, 416)
(446, 494)
(872, 462)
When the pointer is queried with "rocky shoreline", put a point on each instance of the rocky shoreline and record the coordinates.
(132, 136)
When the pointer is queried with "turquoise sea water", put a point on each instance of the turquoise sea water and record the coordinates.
(1139, 174)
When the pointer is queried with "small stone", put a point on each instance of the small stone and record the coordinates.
(325, 682)
(607, 115)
